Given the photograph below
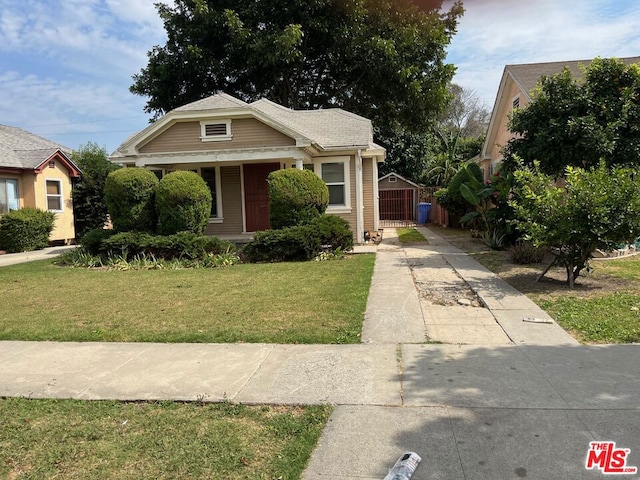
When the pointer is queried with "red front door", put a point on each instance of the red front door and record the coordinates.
(256, 195)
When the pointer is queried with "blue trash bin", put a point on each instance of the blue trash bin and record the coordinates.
(424, 209)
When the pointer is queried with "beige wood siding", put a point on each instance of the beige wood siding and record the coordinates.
(231, 203)
(247, 133)
(367, 190)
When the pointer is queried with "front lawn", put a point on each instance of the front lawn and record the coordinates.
(306, 302)
(101, 439)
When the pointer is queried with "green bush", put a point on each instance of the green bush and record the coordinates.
(92, 240)
(333, 232)
(185, 245)
(130, 197)
(183, 203)
(296, 197)
(25, 229)
(286, 244)
(454, 202)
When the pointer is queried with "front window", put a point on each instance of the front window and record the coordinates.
(334, 176)
(8, 195)
(208, 174)
(54, 195)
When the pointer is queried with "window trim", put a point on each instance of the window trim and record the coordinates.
(215, 138)
(17, 192)
(219, 218)
(49, 195)
(346, 161)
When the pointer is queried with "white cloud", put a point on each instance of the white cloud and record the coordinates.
(494, 33)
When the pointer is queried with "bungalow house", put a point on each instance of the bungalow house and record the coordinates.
(35, 172)
(516, 87)
(234, 146)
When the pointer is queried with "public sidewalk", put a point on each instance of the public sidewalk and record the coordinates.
(525, 408)
(23, 257)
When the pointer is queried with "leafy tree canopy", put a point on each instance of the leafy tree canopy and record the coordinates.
(577, 123)
(382, 59)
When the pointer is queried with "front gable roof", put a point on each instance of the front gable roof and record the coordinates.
(526, 77)
(22, 150)
(326, 129)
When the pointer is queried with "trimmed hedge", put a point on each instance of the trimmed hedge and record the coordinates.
(296, 197)
(25, 229)
(334, 232)
(183, 203)
(130, 197)
(92, 240)
(301, 242)
(180, 245)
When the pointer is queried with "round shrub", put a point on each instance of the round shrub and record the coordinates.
(130, 197)
(25, 229)
(283, 245)
(333, 232)
(183, 203)
(296, 197)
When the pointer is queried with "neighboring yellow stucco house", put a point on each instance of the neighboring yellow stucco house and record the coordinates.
(234, 146)
(516, 87)
(35, 172)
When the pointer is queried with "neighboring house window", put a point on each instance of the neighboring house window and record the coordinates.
(215, 131)
(209, 176)
(334, 175)
(515, 103)
(8, 195)
(54, 195)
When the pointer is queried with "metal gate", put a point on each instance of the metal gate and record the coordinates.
(397, 207)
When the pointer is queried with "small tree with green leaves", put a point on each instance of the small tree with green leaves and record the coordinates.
(130, 197)
(596, 208)
(89, 205)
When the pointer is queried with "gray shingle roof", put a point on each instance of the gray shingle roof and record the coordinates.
(214, 102)
(528, 75)
(329, 128)
(21, 149)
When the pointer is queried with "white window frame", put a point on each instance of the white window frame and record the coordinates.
(49, 195)
(346, 161)
(17, 192)
(220, 217)
(215, 138)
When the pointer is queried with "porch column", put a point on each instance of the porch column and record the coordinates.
(376, 195)
(299, 163)
(359, 199)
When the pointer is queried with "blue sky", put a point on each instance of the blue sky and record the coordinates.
(66, 65)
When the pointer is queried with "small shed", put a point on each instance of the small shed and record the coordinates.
(398, 200)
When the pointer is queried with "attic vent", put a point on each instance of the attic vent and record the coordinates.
(516, 103)
(215, 131)
(392, 179)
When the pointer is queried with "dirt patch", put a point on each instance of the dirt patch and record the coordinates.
(523, 277)
(448, 295)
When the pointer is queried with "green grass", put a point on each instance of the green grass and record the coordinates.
(410, 235)
(67, 439)
(307, 302)
(613, 318)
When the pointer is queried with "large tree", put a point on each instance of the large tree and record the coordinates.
(383, 59)
(578, 122)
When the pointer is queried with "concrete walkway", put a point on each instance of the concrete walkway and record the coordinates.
(525, 406)
(23, 257)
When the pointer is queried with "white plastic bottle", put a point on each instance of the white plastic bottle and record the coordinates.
(404, 467)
